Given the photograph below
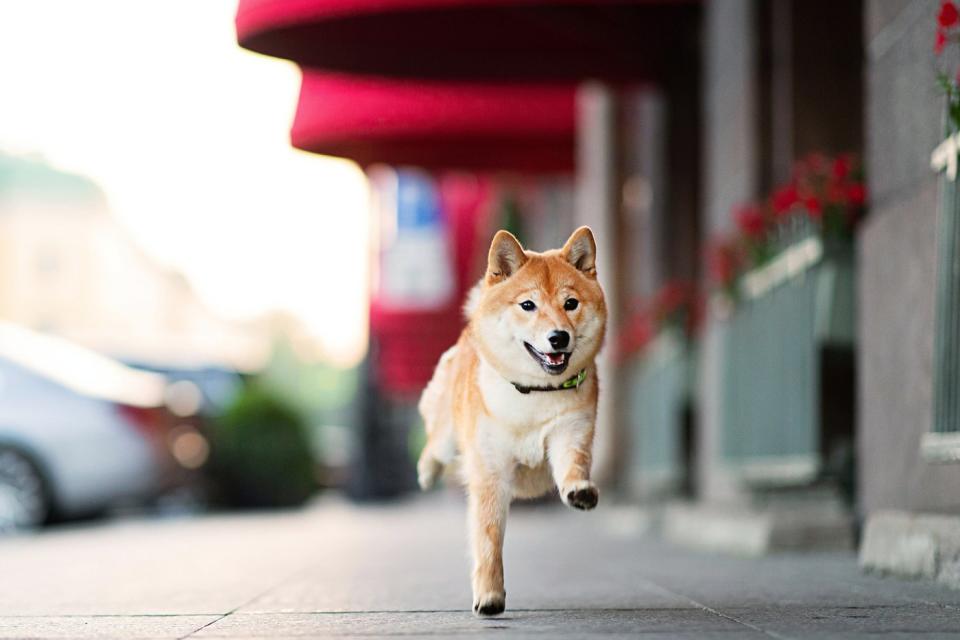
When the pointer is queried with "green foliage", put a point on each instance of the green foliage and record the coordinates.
(261, 452)
(319, 390)
(511, 216)
(952, 94)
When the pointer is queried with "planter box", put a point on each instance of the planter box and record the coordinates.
(787, 393)
(660, 416)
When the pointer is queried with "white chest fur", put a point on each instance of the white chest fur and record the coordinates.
(518, 424)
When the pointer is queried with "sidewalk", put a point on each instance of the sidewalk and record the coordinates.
(339, 570)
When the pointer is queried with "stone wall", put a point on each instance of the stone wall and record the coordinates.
(897, 258)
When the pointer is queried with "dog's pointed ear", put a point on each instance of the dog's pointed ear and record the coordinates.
(505, 258)
(581, 251)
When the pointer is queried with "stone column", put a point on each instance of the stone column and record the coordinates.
(730, 176)
(597, 205)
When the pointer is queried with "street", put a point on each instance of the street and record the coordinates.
(336, 569)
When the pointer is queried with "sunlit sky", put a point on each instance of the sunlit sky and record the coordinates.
(188, 136)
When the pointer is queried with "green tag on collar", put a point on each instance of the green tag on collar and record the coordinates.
(575, 381)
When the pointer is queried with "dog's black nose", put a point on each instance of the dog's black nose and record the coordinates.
(559, 339)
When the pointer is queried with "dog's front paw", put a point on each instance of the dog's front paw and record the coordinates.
(582, 495)
(490, 604)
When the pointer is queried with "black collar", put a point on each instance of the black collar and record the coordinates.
(570, 383)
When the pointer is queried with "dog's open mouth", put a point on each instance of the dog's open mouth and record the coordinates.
(553, 363)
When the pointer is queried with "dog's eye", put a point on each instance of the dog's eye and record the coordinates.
(527, 305)
(571, 304)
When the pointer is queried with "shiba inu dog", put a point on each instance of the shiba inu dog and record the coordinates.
(515, 400)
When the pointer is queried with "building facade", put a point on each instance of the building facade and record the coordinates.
(909, 492)
(873, 461)
(68, 268)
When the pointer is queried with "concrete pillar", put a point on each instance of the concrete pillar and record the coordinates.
(730, 148)
(597, 205)
(644, 193)
(897, 254)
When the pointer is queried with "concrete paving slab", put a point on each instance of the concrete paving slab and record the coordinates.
(552, 561)
(133, 627)
(795, 621)
(337, 569)
(492, 631)
(816, 579)
(203, 566)
(578, 622)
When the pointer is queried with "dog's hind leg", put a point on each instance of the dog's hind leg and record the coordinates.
(436, 409)
(440, 450)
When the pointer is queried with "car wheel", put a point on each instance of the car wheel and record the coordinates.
(23, 497)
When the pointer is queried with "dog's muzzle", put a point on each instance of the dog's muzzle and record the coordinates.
(553, 363)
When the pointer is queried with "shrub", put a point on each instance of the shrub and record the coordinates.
(260, 454)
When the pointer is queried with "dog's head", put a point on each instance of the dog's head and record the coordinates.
(539, 315)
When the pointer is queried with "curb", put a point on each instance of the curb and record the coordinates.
(912, 545)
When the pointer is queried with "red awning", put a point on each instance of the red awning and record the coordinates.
(436, 125)
(472, 39)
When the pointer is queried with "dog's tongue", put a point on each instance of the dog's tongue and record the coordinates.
(554, 358)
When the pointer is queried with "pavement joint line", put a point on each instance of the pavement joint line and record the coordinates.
(204, 626)
(419, 611)
(321, 612)
(289, 578)
(715, 612)
(907, 599)
(721, 614)
(110, 615)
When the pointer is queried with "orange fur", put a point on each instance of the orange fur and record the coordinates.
(513, 445)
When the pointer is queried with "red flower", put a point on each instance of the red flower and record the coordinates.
(751, 221)
(841, 167)
(636, 335)
(671, 297)
(816, 162)
(813, 206)
(940, 42)
(857, 194)
(836, 194)
(785, 199)
(948, 16)
(723, 261)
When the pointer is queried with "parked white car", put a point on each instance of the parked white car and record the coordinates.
(78, 431)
